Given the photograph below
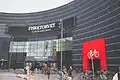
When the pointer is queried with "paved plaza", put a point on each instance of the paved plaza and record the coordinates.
(12, 76)
(5, 75)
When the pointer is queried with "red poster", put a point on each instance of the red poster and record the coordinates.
(94, 49)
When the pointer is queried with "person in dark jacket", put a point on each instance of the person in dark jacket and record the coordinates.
(70, 71)
(48, 73)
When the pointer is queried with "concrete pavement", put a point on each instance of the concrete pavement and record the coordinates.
(8, 76)
(12, 76)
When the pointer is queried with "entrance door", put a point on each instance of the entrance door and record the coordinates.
(96, 63)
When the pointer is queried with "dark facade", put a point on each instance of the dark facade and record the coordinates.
(93, 19)
(98, 19)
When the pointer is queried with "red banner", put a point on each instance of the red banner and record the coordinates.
(94, 49)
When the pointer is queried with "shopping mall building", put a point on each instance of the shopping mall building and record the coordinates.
(91, 31)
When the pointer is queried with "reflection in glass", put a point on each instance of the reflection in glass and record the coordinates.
(40, 49)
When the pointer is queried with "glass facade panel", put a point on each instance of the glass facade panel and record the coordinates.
(42, 49)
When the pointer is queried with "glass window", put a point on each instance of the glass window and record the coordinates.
(42, 48)
(14, 43)
(13, 50)
(56, 46)
(21, 43)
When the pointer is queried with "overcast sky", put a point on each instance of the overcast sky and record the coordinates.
(27, 6)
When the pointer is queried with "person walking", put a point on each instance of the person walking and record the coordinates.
(70, 72)
(45, 69)
(48, 73)
(64, 70)
(1, 65)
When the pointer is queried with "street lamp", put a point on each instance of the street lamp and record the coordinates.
(93, 68)
(61, 26)
(9, 64)
(91, 54)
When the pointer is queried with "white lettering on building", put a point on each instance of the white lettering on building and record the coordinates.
(42, 27)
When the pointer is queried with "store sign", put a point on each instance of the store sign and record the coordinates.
(93, 53)
(43, 28)
(94, 49)
(49, 27)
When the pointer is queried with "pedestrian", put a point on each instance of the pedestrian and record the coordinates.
(70, 71)
(48, 73)
(45, 69)
(64, 70)
(2, 65)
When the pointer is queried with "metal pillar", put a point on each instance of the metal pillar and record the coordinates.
(93, 69)
(10, 54)
(61, 26)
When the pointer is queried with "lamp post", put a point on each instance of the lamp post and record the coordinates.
(90, 55)
(61, 26)
(93, 68)
(10, 54)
